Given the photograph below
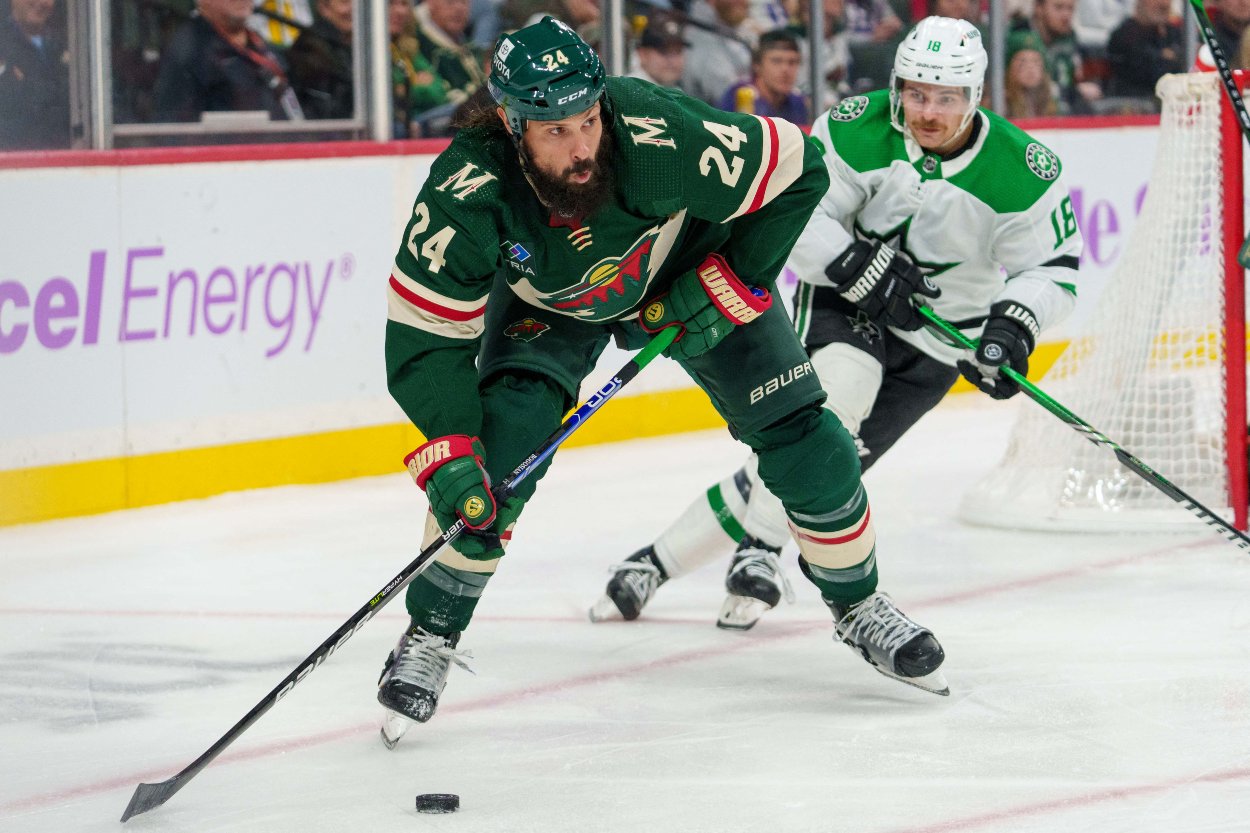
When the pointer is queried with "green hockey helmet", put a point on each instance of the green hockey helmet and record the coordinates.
(544, 72)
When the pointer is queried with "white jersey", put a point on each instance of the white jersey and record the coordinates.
(993, 223)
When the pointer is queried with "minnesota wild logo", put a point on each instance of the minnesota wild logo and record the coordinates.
(612, 285)
(849, 109)
(527, 329)
(1042, 161)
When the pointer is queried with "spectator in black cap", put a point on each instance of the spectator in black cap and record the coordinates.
(661, 53)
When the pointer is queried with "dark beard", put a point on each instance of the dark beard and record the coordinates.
(571, 200)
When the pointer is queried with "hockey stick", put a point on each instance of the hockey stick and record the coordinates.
(1097, 438)
(1230, 86)
(148, 796)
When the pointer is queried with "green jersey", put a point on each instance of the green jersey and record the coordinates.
(993, 222)
(690, 180)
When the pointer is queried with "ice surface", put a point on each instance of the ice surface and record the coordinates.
(1098, 683)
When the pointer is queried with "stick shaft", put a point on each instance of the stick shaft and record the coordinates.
(1095, 436)
(148, 796)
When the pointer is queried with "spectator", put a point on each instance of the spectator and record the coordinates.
(1052, 21)
(578, 14)
(836, 53)
(271, 22)
(441, 35)
(320, 62)
(871, 21)
(1144, 48)
(720, 48)
(34, 79)
(485, 24)
(1095, 20)
(774, 73)
(1229, 20)
(214, 62)
(969, 10)
(1029, 90)
(415, 87)
(661, 52)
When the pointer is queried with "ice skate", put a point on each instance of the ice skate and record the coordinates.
(413, 678)
(632, 585)
(755, 583)
(891, 643)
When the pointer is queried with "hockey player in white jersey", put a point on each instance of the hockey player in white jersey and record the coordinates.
(930, 196)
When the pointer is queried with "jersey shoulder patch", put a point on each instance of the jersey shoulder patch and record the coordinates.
(1012, 171)
(861, 132)
(470, 169)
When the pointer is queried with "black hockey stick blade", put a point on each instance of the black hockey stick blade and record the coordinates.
(1128, 460)
(148, 796)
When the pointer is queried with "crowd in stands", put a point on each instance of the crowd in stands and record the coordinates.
(176, 60)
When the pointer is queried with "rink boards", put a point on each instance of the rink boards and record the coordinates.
(175, 324)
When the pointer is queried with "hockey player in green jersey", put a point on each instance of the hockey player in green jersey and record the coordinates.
(924, 187)
(576, 209)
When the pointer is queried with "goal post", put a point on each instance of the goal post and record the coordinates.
(1160, 363)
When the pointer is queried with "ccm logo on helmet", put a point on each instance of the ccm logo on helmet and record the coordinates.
(566, 99)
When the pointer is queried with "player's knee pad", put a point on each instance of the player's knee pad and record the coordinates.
(851, 378)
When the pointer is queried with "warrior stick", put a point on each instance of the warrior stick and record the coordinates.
(1097, 438)
(1230, 87)
(148, 796)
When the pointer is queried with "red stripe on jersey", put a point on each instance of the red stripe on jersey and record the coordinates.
(438, 309)
(773, 143)
(842, 539)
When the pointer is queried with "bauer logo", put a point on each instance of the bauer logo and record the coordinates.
(778, 382)
(149, 296)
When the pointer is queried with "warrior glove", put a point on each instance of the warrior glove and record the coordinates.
(873, 277)
(1009, 337)
(450, 471)
(706, 304)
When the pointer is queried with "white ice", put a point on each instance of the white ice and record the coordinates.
(1099, 683)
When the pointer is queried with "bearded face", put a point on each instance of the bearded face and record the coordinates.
(583, 186)
(570, 162)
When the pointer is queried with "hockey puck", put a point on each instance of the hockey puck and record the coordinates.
(438, 803)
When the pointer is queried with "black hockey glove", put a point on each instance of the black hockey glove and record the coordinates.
(1009, 336)
(873, 277)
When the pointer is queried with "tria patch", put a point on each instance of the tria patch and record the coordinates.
(527, 329)
(1042, 161)
(517, 254)
(849, 109)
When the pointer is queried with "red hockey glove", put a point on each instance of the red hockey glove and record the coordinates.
(450, 471)
(706, 304)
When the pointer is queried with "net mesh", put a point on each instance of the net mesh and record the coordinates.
(1145, 369)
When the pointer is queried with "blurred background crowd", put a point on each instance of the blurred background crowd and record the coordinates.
(245, 65)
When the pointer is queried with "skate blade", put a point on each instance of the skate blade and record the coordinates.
(934, 682)
(740, 613)
(605, 610)
(393, 728)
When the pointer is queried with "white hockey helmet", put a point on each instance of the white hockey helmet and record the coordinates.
(943, 51)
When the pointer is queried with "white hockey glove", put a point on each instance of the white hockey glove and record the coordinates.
(1009, 336)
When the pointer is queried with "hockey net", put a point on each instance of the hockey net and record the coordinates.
(1159, 366)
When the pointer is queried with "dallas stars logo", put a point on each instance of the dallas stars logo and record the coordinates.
(1042, 161)
(896, 238)
(861, 325)
(849, 109)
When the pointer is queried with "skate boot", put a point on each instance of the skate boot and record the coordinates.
(890, 642)
(632, 585)
(413, 678)
(755, 583)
